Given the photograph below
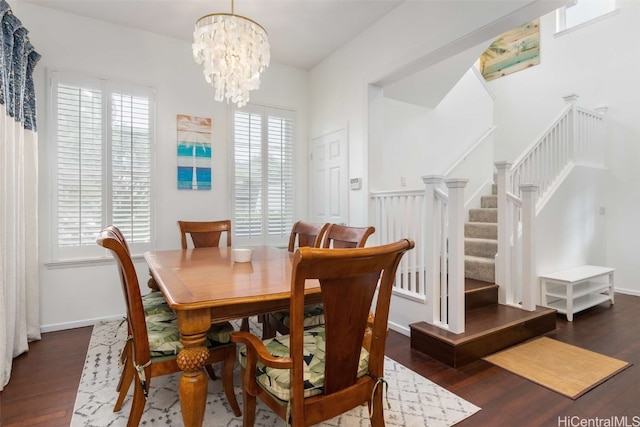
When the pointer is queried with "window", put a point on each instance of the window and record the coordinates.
(263, 174)
(581, 11)
(101, 163)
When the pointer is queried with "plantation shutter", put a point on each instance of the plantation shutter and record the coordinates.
(79, 161)
(263, 174)
(280, 173)
(131, 166)
(102, 164)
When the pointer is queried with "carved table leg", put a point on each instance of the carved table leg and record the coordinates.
(193, 326)
(151, 284)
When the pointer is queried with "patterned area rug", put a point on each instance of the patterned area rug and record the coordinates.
(415, 401)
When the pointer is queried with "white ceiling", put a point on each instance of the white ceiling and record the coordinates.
(301, 32)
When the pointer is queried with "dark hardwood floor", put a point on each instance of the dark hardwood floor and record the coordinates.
(44, 381)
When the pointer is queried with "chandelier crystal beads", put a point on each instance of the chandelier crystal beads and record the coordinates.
(233, 50)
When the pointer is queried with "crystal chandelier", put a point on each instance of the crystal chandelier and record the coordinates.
(234, 50)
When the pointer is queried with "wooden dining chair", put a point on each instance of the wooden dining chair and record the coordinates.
(306, 234)
(155, 339)
(312, 375)
(204, 234)
(344, 236)
(303, 234)
(337, 237)
(152, 303)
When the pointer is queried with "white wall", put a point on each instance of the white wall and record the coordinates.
(435, 138)
(77, 296)
(598, 62)
(414, 34)
(570, 230)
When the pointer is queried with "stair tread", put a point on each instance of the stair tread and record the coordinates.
(473, 285)
(482, 320)
(480, 239)
(479, 259)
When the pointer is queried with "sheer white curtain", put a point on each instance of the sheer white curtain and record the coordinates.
(19, 284)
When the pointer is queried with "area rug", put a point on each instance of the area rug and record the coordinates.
(563, 368)
(415, 401)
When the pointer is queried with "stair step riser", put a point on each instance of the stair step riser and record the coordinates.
(483, 215)
(484, 271)
(490, 202)
(480, 298)
(481, 230)
(485, 249)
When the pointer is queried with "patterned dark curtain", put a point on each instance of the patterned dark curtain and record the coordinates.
(17, 61)
(19, 277)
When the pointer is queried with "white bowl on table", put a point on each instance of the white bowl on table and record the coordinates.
(242, 254)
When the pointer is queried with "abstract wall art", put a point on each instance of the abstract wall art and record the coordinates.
(513, 51)
(194, 153)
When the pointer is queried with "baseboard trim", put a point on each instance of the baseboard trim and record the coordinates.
(404, 330)
(78, 324)
(632, 292)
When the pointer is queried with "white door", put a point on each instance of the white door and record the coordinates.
(329, 180)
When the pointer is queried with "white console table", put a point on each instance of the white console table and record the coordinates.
(576, 289)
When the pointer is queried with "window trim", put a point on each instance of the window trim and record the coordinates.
(561, 19)
(94, 256)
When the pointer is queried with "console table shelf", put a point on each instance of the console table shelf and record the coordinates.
(576, 289)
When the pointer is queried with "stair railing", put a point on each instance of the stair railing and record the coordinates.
(576, 137)
(432, 273)
(515, 261)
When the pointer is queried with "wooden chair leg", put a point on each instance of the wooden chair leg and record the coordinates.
(127, 377)
(268, 327)
(125, 354)
(249, 406)
(227, 379)
(244, 326)
(211, 372)
(377, 418)
(137, 406)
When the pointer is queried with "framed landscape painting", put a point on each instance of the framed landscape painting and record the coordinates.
(194, 153)
(513, 51)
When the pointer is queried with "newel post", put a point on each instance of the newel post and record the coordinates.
(456, 253)
(573, 126)
(503, 257)
(529, 274)
(431, 247)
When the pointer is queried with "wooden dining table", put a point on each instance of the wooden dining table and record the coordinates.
(205, 285)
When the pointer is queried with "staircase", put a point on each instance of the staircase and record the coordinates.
(481, 240)
(489, 326)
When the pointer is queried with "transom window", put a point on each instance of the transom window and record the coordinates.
(580, 12)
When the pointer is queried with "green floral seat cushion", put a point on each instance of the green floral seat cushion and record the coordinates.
(278, 381)
(313, 316)
(164, 336)
(154, 302)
